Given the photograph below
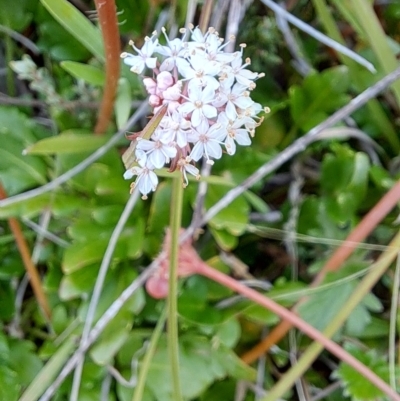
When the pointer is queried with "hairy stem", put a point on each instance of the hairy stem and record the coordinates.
(109, 27)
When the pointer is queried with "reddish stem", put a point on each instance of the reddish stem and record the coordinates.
(294, 320)
(107, 14)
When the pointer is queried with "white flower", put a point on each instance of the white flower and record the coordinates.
(138, 63)
(237, 70)
(207, 91)
(158, 152)
(207, 140)
(235, 133)
(175, 49)
(186, 166)
(232, 97)
(146, 180)
(176, 127)
(200, 70)
(197, 104)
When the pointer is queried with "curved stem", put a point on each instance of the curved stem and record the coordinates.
(173, 345)
(109, 27)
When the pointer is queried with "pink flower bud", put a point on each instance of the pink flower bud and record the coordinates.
(173, 92)
(164, 80)
(154, 101)
(150, 85)
(172, 106)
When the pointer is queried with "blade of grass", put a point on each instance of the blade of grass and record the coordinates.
(77, 25)
(362, 11)
(45, 377)
(141, 382)
(358, 80)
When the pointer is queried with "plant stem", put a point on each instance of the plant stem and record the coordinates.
(307, 358)
(175, 226)
(139, 388)
(109, 28)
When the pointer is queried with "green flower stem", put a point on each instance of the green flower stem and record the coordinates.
(307, 358)
(144, 369)
(175, 226)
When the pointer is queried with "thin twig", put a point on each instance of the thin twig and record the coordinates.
(30, 267)
(21, 39)
(45, 233)
(79, 167)
(319, 36)
(105, 263)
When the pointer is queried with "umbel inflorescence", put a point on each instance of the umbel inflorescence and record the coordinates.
(203, 94)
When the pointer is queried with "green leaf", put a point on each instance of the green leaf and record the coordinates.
(112, 338)
(70, 141)
(320, 95)
(123, 102)
(234, 217)
(77, 25)
(321, 307)
(201, 364)
(90, 74)
(356, 385)
(24, 360)
(9, 384)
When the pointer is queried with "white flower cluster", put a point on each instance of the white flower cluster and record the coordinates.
(205, 94)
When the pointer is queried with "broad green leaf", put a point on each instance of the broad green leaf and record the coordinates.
(228, 332)
(9, 384)
(319, 95)
(356, 385)
(71, 141)
(11, 158)
(123, 102)
(200, 365)
(321, 307)
(77, 25)
(225, 239)
(29, 208)
(90, 74)
(232, 218)
(112, 338)
(24, 360)
(79, 255)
